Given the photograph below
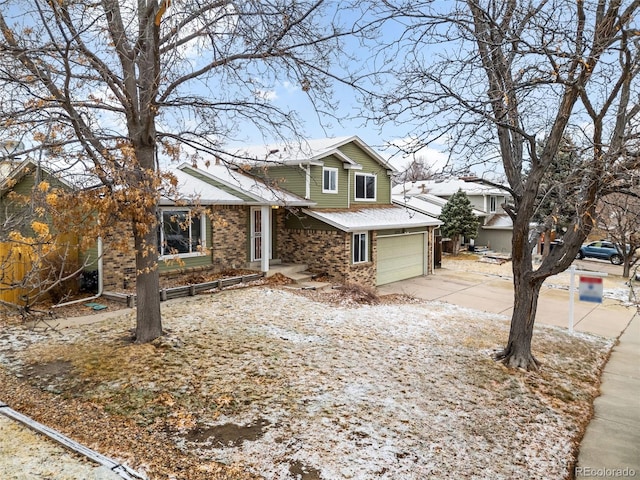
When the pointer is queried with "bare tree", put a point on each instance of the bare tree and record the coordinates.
(494, 77)
(418, 169)
(109, 87)
(619, 217)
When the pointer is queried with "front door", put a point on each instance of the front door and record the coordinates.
(256, 234)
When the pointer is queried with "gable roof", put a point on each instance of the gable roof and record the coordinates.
(12, 172)
(498, 221)
(428, 204)
(373, 218)
(303, 153)
(446, 188)
(233, 184)
(191, 189)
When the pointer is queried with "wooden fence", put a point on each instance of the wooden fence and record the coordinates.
(23, 266)
(16, 262)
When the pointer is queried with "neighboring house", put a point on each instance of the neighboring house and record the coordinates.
(18, 179)
(326, 205)
(429, 196)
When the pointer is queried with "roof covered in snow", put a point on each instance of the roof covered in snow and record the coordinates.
(498, 221)
(374, 218)
(303, 152)
(192, 189)
(427, 204)
(249, 189)
(446, 188)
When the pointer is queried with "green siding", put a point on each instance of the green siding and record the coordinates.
(89, 257)
(289, 178)
(301, 221)
(330, 200)
(12, 208)
(370, 166)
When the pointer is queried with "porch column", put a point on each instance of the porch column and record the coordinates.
(265, 216)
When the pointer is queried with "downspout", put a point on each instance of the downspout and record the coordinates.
(307, 180)
(348, 188)
(100, 281)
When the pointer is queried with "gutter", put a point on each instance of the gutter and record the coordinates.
(117, 468)
(100, 281)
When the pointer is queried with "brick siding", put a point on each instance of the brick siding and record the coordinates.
(229, 225)
(328, 252)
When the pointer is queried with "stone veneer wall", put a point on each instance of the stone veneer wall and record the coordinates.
(229, 243)
(328, 252)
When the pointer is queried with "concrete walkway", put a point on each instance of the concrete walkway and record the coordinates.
(611, 445)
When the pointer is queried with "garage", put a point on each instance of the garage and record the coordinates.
(400, 257)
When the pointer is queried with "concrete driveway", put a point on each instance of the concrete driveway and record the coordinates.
(494, 294)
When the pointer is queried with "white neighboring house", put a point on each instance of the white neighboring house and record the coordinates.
(429, 196)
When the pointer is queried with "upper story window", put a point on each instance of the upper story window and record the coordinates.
(181, 233)
(329, 180)
(365, 186)
(493, 204)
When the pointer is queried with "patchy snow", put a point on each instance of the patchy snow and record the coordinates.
(393, 391)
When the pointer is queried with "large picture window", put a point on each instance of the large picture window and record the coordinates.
(329, 180)
(365, 186)
(360, 247)
(181, 233)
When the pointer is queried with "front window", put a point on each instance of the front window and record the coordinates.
(329, 180)
(365, 186)
(181, 233)
(360, 247)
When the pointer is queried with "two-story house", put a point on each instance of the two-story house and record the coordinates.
(429, 196)
(326, 204)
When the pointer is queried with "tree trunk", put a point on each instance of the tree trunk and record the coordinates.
(455, 245)
(148, 318)
(145, 234)
(517, 353)
(626, 267)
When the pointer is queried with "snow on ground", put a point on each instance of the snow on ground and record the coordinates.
(285, 387)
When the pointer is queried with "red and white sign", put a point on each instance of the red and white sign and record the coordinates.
(590, 289)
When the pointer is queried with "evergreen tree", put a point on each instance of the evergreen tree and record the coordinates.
(458, 219)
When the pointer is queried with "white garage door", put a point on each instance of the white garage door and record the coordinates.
(400, 257)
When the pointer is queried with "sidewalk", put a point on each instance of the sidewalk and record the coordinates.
(611, 444)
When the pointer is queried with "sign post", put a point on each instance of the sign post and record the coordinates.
(590, 289)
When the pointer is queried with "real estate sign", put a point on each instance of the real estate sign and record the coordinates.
(590, 289)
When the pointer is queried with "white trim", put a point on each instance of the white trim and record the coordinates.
(265, 214)
(366, 247)
(256, 254)
(402, 234)
(202, 239)
(493, 199)
(335, 172)
(355, 187)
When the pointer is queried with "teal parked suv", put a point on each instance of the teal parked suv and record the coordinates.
(602, 250)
